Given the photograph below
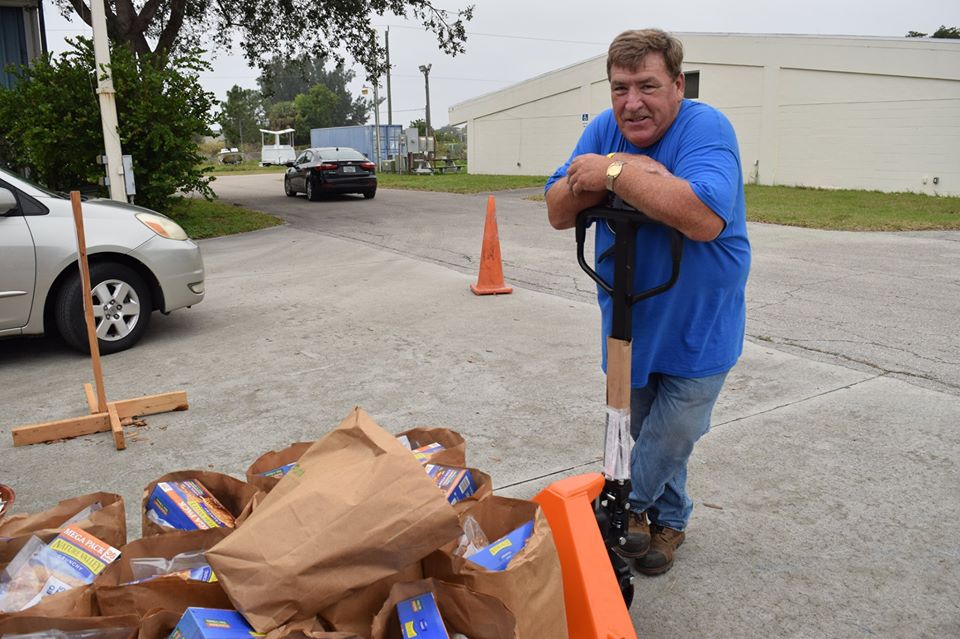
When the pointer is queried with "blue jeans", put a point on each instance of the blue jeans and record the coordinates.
(667, 416)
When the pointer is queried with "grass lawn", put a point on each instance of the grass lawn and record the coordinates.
(846, 210)
(200, 218)
(246, 167)
(459, 182)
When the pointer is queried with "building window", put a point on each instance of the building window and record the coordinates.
(13, 42)
(692, 89)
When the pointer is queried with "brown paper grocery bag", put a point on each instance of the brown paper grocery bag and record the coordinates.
(484, 489)
(274, 459)
(158, 624)
(356, 509)
(473, 614)
(233, 493)
(455, 448)
(108, 523)
(355, 611)
(15, 625)
(115, 595)
(308, 629)
(75, 602)
(532, 584)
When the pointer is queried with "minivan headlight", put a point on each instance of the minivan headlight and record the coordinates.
(162, 226)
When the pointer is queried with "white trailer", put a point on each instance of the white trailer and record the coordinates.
(277, 153)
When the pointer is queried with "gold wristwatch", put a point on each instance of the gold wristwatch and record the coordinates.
(613, 172)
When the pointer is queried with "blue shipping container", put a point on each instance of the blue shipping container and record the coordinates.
(362, 138)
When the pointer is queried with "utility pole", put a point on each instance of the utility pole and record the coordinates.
(108, 103)
(389, 95)
(425, 69)
(376, 119)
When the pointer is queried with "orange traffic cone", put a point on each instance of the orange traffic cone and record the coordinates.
(490, 280)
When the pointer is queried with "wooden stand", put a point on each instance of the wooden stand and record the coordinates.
(103, 415)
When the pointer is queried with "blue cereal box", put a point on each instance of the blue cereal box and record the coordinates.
(212, 623)
(456, 483)
(424, 453)
(420, 618)
(497, 555)
(188, 505)
(279, 472)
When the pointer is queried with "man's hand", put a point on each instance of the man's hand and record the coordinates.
(588, 173)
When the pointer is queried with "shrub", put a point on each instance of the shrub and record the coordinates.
(50, 121)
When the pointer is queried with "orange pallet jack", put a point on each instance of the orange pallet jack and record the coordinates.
(588, 513)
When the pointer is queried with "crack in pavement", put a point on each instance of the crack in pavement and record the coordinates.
(796, 401)
(883, 371)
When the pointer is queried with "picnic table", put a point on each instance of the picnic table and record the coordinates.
(448, 166)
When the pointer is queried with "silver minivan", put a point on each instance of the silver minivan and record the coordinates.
(140, 261)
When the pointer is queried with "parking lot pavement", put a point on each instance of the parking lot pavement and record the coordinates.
(827, 496)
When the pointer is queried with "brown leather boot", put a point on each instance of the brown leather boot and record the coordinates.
(663, 544)
(638, 536)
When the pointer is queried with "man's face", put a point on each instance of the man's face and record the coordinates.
(645, 100)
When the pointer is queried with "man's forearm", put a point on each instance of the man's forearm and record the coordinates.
(563, 206)
(670, 200)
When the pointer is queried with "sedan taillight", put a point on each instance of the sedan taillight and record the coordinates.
(326, 166)
(368, 166)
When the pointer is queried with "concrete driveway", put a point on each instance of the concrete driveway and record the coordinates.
(828, 492)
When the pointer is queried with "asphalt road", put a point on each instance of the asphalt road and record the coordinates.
(882, 303)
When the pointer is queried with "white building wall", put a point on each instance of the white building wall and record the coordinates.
(864, 113)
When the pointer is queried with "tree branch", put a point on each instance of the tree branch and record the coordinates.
(168, 37)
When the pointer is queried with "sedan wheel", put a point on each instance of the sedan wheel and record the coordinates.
(288, 189)
(312, 194)
(370, 194)
(122, 304)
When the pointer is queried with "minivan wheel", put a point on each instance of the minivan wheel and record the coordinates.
(312, 194)
(122, 305)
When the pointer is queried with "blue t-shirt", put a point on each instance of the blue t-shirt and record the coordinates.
(696, 328)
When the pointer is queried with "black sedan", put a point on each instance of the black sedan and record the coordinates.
(330, 170)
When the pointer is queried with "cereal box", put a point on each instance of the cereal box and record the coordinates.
(497, 555)
(424, 453)
(456, 483)
(212, 623)
(420, 618)
(279, 472)
(188, 505)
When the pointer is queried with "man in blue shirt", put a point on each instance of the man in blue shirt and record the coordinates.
(677, 161)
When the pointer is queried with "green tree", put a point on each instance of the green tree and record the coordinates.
(315, 109)
(283, 80)
(242, 116)
(946, 32)
(283, 115)
(420, 125)
(53, 116)
(943, 32)
(278, 27)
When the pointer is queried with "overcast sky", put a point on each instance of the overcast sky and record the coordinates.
(509, 41)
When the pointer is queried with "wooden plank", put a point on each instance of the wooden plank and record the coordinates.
(85, 289)
(91, 399)
(61, 429)
(151, 404)
(619, 363)
(116, 427)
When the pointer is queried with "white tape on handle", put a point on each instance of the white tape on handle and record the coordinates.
(617, 445)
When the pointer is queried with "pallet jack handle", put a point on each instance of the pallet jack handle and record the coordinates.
(624, 222)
